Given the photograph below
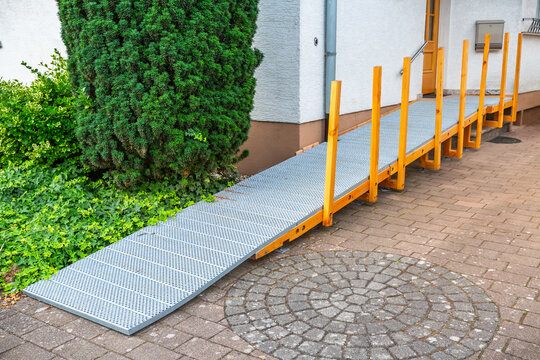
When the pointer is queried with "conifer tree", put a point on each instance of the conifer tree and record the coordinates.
(165, 86)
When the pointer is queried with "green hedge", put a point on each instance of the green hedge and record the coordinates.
(168, 84)
(37, 120)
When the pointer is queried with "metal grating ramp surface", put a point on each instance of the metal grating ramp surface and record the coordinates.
(147, 275)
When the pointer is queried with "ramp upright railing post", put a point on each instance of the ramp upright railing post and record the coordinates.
(516, 78)
(503, 80)
(458, 152)
(435, 164)
(404, 122)
(481, 110)
(331, 154)
(398, 183)
(375, 135)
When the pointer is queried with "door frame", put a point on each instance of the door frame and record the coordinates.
(428, 77)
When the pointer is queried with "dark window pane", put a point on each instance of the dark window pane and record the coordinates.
(430, 32)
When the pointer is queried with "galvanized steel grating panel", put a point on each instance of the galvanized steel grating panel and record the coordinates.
(217, 230)
(131, 281)
(228, 247)
(156, 272)
(145, 276)
(260, 208)
(233, 213)
(93, 308)
(249, 228)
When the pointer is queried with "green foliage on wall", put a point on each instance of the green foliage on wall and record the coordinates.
(166, 85)
(37, 121)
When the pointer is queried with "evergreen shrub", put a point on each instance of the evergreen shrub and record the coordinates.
(165, 86)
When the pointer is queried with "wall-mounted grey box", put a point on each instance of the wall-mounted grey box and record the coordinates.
(493, 27)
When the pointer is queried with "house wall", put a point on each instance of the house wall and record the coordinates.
(29, 31)
(368, 35)
(278, 81)
(461, 25)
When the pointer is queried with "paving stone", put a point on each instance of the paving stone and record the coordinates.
(402, 352)
(149, 350)
(117, 342)
(369, 315)
(5, 313)
(165, 336)
(310, 347)
(79, 349)
(20, 324)
(48, 337)
(54, 316)
(206, 310)
(355, 353)
(203, 349)
(113, 356)
(8, 341)
(199, 327)
(27, 351)
(84, 328)
(422, 348)
(332, 352)
(380, 354)
(285, 354)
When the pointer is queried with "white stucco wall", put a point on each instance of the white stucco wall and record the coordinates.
(462, 18)
(529, 79)
(290, 81)
(368, 34)
(278, 80)
(29, 31)
(312, 60)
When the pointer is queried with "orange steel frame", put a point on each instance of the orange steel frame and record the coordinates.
(368, 189)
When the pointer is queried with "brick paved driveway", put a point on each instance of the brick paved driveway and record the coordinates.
(479, 216)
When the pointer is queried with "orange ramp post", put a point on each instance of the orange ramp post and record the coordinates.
(516, 78)
(375, 135)
(503, 80)
(331, 154)
(399, 182)
(481, 111)
(500, 113)
(435, 164)
(458, 152)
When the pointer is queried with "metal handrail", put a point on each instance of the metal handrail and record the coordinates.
(535, 26)
(420, 49)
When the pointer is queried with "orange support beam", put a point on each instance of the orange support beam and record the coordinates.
(503, 80)
(458, 152)
(516, 78)
(500, 108)
(331, 153)
(481, 111)
(435, 164)
(375, 135)
(399, 182)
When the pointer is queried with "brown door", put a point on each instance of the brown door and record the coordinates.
(430, 51)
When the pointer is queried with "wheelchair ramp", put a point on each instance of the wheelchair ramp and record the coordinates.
(147, 275)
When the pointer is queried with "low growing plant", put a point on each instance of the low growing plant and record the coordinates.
(37, 121)
(51, 217)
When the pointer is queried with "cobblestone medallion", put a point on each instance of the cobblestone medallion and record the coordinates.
(357, 305)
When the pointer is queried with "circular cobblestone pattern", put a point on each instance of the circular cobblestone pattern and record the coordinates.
(357, 305)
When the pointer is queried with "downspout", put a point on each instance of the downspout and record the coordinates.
(329, 57)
